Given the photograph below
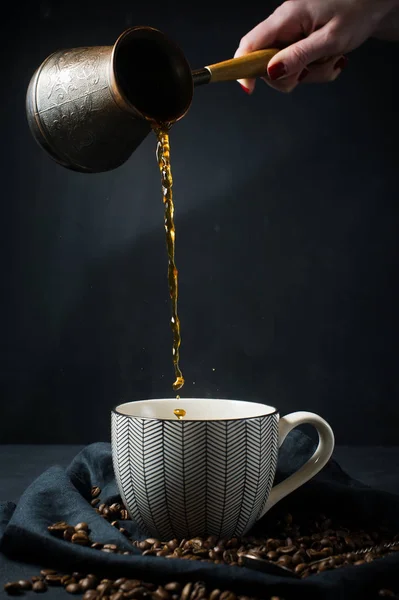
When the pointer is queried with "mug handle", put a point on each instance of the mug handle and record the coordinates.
(315, 463)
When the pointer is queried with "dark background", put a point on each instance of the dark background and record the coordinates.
(286, 215)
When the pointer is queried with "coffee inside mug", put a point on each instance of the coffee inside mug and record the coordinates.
(197, 409)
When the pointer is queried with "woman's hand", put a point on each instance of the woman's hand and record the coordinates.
(315, 35)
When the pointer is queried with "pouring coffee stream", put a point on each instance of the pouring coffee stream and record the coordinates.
(91, 107)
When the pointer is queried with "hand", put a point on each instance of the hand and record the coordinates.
(315, 35)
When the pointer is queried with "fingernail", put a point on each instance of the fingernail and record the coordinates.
(246, 90)
(341, 63)
(276, 71)
(304, 74)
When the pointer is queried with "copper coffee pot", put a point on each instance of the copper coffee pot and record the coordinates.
(91, 107)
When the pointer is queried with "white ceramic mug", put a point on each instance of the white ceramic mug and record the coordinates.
(211, 473)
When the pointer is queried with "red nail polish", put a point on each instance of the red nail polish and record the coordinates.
(304, 74)
(341, 63)
(246, 90)
(276, 71)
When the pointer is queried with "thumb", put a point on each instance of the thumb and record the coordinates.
(298, 56)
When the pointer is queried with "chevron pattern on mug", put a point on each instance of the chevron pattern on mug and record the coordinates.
(185, 478)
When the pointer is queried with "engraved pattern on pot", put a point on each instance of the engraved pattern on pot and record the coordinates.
(71, 81)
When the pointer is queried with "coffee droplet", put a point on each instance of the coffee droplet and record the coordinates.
(180, 413)
(178, 383)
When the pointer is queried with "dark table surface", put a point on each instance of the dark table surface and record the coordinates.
(21, 464)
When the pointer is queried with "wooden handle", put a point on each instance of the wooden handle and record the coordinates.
(248, 66)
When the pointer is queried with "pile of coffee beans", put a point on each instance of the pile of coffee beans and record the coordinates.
(306, 548)
(94, 588)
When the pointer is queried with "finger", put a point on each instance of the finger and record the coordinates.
(293, 59)
(265, 34)
(286, 85)
(248, 85)
(326, 72)
(322, 71)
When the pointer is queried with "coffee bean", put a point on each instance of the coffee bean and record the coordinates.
(186, 593)
(76, 575)
(369, 557)
(161, 594)
(58, 528)
(13, 588)
(115, 508)
(90, 595)
(68, 533)
(95, 501)
(111, 546)
(124, 515)
(129, 584)
(300, 568)
(36, 578)
(81, 538)
(286, 549)
(82, 527)
(55, 579)
(137, 593)
(88, 583)
(272, 555)
(39, 587)
(314, 554)
(227, 556)
(24, 584)
(215, 595)
(73, 588)
(117, 596)
(144, 545)
(115, 524)
(95, 491)
(172, 545)
(228, 596)
(285, 560)
(66, 579)
(298, 558)
(173, 586)
(150, 552)
(272, 544)
(46, 572)
(96, 545)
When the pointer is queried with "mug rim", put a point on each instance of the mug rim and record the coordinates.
(269, 414)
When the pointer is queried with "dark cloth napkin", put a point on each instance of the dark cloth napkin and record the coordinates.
(64, 495)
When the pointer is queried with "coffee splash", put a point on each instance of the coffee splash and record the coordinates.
(180, 413)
